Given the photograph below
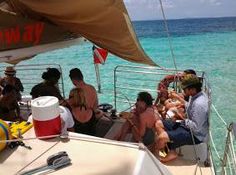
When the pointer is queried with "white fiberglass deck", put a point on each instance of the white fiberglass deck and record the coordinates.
(181, 166)
(89, 155)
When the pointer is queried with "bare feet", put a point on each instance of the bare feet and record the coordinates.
(172, 155)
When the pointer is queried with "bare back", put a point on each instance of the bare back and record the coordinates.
(90, 96)
(149, 117)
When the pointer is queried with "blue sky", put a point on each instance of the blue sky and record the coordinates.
(175, 9)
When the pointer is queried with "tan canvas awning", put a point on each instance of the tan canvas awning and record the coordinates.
(22, 38)
(104, 22)
(18, 32)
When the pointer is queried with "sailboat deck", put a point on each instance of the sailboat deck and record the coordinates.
(181, 166)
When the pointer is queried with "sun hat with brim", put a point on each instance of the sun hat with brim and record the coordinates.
(10, 70)
(189, 80)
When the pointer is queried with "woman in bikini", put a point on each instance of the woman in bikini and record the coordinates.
(84, 116)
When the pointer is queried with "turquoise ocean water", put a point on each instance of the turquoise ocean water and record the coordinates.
(202, 44)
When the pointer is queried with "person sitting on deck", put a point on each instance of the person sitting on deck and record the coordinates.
(49, 87)
(162, 90)
(176, 134)
(173, 108)
(84, 115)
(141, 122)
(11, 79)
(9, 109)
(90, 92)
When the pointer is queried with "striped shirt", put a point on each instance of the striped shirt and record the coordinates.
(198, 112)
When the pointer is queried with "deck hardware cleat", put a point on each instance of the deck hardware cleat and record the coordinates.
(54, 162)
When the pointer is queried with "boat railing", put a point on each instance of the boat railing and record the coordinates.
(31, 74)
(225, 153)
(130, 80)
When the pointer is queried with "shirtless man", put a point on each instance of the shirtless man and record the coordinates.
(142, 121)
(90, 92)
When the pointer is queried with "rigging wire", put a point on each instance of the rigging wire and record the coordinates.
(168, 35)
(217, 113)
(194, 144)
(214, 147)
(229, 152)
(232, 151)
(36, 158)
